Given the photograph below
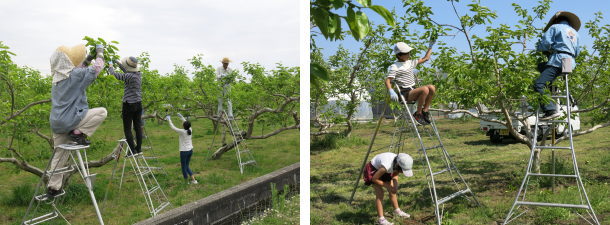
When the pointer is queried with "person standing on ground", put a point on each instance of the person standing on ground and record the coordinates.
(71, 119)
(560, 42)
(186, 147)
(402, 72)
(223, 75)
(132, 101)
(382, 172)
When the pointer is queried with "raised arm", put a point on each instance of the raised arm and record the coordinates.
(428, 53)
(117, 75)
(171, 125)
(181, 117)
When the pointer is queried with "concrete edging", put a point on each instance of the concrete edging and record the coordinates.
(219, 206)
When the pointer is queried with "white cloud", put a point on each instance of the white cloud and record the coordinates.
(171, 31)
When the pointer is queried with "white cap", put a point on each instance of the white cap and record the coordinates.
(406, 164)
(402, 47)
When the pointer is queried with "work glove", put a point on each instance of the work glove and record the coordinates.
(99, 50)
(432, 42)
(393, 95)
(180, 115)
(167, 117)
(110, 63)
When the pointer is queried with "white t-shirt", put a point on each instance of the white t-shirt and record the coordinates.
(185, 140)
(384, 160)
(402, 72)
(221, 72)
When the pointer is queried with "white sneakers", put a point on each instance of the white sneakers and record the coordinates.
(383, 221)
(194, 182)
(400, 213)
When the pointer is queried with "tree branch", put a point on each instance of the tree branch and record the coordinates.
(24, 109)
(584, 132)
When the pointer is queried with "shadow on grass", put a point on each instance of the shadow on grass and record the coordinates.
(504, 142)
(360, 217)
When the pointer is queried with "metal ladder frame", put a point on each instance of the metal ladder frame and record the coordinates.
(521, 194)
(397, 141)
(154, 155)
(83, 170)
(144, 173)
(238, 139)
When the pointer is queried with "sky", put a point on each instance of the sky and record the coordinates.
(265, 32)
(444, 14)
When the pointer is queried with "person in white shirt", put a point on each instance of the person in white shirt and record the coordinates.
(382, 171)
(223, 72)
(186, 147)
(402, 72)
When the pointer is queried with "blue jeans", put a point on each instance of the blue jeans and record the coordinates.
(185, 159)
(548, 75)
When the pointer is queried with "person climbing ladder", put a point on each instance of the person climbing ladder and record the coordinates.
(132, 101)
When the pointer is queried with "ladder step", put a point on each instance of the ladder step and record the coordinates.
(150, 157)
(248, 162)
(149, 168)
(552, 204)
(161, 207)
(442, 171)
(556, 121)
(551, 175)
(152, 190)
(552, 147)
(559, 96)
(433, 147)
(60, 171)
(45, 196)
(244, 151)
(41, 219)
(452, 196)
(72, 147)
(144, 172)
(146, 147)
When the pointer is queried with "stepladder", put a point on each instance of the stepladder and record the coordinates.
(577, 203)
(445, 182)
(153, 193)
(242, 151)
(44, 207)
(151, 154)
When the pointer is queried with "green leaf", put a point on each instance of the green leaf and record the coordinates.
(383, 12)
(334, 26)
(320, 18)
(358, 23)
(318, 72)
(365, 3)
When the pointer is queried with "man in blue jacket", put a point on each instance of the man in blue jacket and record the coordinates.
(560, 41)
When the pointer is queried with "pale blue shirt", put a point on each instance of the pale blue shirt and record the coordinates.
(559, 37)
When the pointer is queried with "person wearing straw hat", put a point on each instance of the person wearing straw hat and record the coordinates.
(223, 75)
(132, 101)
(71, 119)
(402, 72)
(382, 172)
(559, 41)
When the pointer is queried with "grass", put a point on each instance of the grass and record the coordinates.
(494, 172)
(128, 206)
(284, 209)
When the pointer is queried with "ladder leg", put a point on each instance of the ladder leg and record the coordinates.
(85, 174)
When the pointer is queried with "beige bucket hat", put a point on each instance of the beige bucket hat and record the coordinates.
(76, 54)
(573, 20)
(225, 60)
(131, 64)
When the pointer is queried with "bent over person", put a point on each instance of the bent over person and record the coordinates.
(559, 41)
(71, 119)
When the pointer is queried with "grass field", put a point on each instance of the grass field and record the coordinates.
(128, 206)
(494, 172)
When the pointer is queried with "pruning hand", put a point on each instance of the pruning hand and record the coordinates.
(99, 50)
(393, 95)
(432, 42)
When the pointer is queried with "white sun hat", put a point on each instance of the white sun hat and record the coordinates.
(402, 47)
(131, 64)
(406, 164)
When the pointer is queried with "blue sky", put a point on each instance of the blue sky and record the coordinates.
(443, 13)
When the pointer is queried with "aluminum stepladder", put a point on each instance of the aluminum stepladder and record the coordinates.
(521, 194)
(244, 155)
(83, 170)
(432, 170)
(152, 154)
(154, 196)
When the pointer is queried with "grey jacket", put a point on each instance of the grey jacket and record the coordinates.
(69, 100)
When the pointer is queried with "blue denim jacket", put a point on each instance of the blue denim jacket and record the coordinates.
(559, 37)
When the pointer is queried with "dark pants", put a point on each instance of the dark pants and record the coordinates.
(185, 160)
(546, 78)
(132, 113)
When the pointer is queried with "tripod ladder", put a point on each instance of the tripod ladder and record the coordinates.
(34, 208)
(520, 200)
(244, 155)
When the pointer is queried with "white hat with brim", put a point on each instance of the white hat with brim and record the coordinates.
(131, 64)
(406, 164)
(573, 20)
(402, 47)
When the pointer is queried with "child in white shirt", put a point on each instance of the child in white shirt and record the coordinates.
(402, 72)
(186, 146)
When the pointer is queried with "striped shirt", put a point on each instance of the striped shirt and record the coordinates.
(402, 73)
(133, 85)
